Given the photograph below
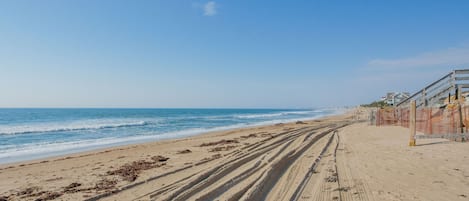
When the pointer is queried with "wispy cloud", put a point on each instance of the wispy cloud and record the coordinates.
(409, 73)
(447, 57)
(210, 8)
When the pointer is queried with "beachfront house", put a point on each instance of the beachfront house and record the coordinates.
(392, 98)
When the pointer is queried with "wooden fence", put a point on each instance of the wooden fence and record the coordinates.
(453, 119)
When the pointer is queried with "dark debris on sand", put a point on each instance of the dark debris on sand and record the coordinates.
(249, 136)
(159, 158)
(221, 142)
(105, 184)
(27, 191)
(226, 148)
(130, 171)
(49, 196)
(35, 192)
(102, 185)
(72, 188)
(185, 151)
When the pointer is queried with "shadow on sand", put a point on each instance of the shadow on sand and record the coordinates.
(432, 143)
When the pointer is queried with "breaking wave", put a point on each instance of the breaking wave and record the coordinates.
(73, 126)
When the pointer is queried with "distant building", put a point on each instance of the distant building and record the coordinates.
(393, 98)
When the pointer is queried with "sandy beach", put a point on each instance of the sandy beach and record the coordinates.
(334, 158)
(212, 100)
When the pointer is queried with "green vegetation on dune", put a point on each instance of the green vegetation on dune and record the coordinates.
(380, 104)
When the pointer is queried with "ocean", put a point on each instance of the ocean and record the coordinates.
(27, 134)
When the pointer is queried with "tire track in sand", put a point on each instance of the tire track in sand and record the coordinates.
(249, 172)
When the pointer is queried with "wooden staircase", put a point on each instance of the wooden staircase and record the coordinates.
(455, 83)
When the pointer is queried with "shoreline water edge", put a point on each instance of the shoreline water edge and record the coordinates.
(33, 134)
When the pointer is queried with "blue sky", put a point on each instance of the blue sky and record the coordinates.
(248, 54)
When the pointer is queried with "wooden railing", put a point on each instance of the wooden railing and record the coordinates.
(453, 84)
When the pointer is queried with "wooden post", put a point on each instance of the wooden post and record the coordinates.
(461, 123)
(430, 119)
(460, 102)
(412, 120)
(424, 99)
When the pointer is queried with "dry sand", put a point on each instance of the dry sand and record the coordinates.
(295, 161)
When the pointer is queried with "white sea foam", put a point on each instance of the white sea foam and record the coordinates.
(35, 151)
(68, 126)
(254, 116)
(41, 150)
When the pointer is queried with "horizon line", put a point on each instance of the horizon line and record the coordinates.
(166, 107)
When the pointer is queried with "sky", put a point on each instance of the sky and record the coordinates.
(224, 54)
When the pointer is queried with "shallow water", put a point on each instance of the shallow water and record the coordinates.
(36, 133)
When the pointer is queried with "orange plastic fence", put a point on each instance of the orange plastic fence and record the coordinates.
(428, 120)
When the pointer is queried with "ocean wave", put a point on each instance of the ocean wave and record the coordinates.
(43, 150)
(254, 116)
(148, 129)
(71, 126)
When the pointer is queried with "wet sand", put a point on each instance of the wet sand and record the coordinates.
(334, 158)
